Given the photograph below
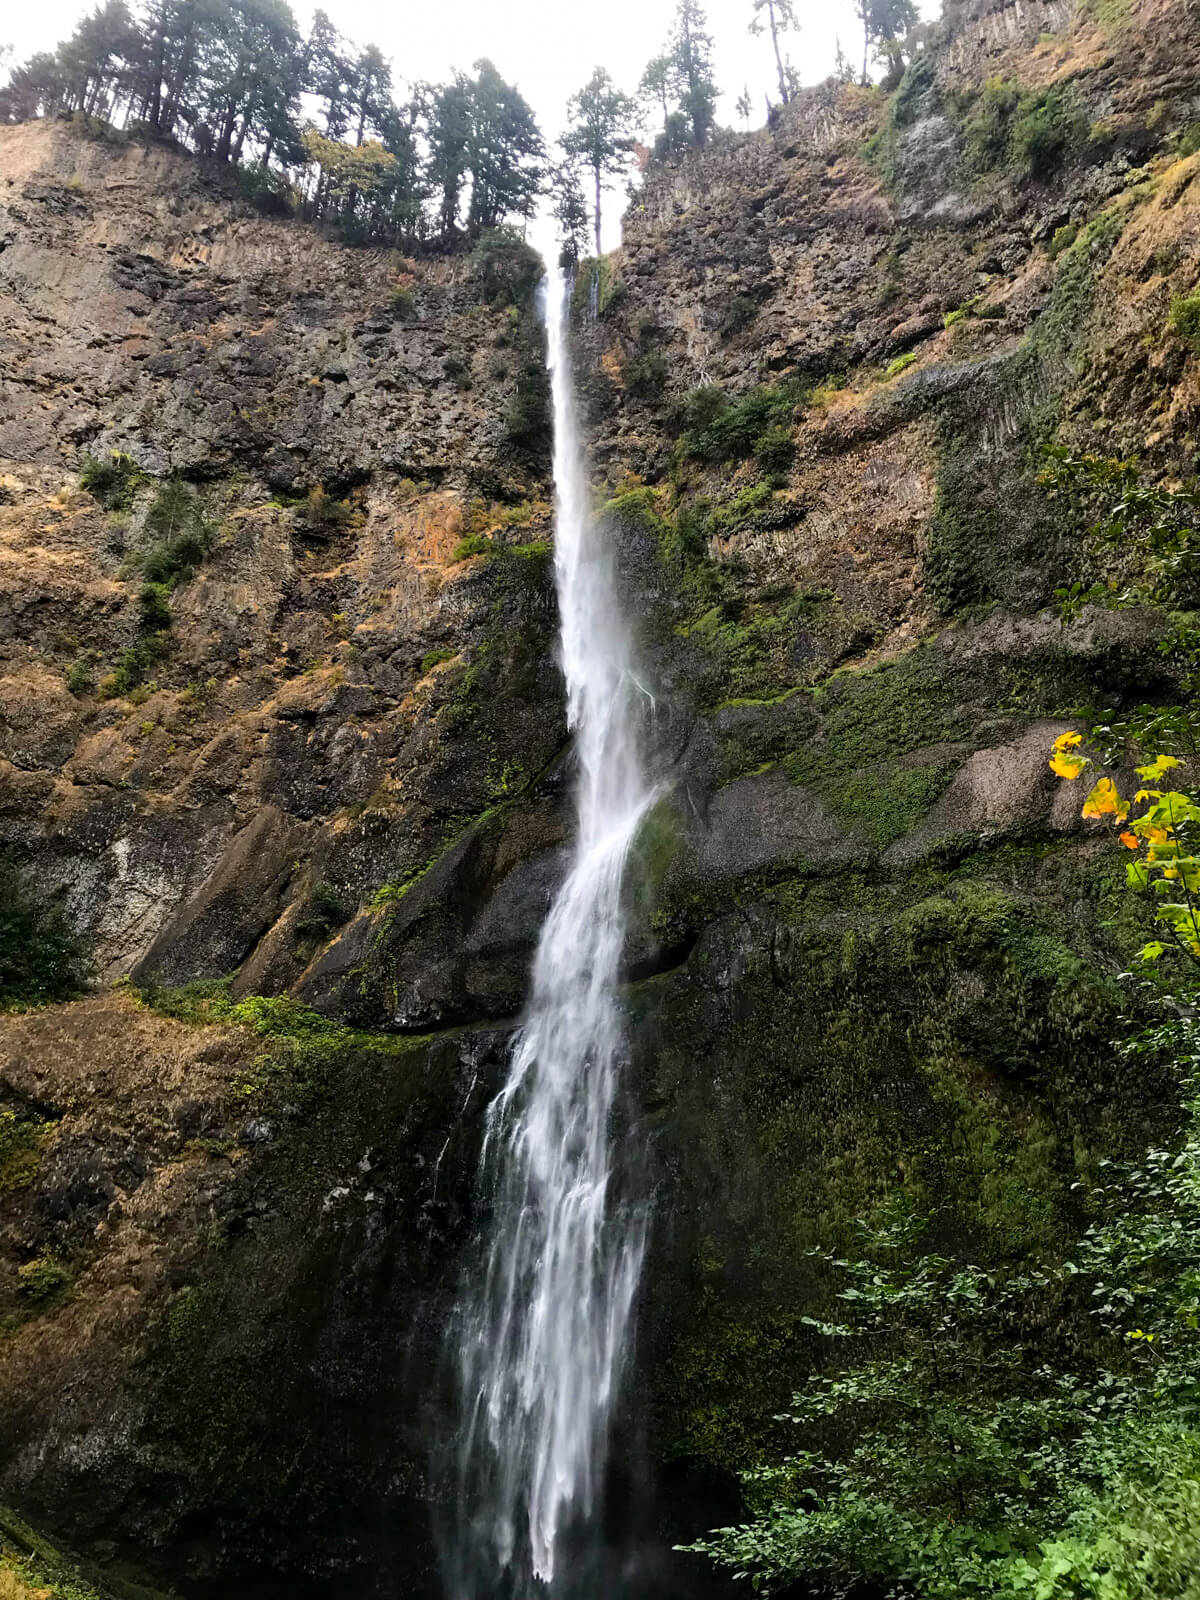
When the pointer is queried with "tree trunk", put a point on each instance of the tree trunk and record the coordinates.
(596, 169)
(783, 88)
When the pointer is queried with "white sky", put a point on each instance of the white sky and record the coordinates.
(547, 47)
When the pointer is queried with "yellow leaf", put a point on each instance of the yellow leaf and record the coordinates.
(1104, 801)
(1067, 766)
(1129, 840)
(1159, 766)
(1067, 741)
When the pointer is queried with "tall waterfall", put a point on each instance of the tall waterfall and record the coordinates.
(544, 1329)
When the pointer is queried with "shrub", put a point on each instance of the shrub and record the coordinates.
(41, 955)
(1062, 239)
(154, 607)
(402, 302)
(434, 658)
(323, 912)
(987, 127)
(322, 511)
(527, 419)
(646, 375)
(1045, 129)
(112, 480)
(475, 544)
(1187, 141)
(739, 314)
(79, 677)
(508, 269)
(774, 449)
(721, 429)
(42, 1280)
(1184, 320)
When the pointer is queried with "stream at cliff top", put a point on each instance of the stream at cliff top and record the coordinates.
(542, 1332)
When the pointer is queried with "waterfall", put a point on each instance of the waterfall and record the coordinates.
(544, 1328)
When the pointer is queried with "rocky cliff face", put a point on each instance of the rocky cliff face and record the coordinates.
(872, 944)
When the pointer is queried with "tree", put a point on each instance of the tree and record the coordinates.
(660, 84)
(780, 16)
(691, 51)
(884, 23)
(449, 143)
(569, 209)
(327, 72)
(600, 115)
(505, 152)
(369, 91)
(744, 105)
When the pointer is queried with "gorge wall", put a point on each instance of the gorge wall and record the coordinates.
(873, 946)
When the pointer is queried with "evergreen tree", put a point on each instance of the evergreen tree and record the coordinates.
(660, 85)
(780, 16)
(884, 24)
(600, 116)
(569, 209)
(691, 51)
(327, 73)
(505, 152)
(449, 137)
(369, 92)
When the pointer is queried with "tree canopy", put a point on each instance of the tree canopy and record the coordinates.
(230, 79)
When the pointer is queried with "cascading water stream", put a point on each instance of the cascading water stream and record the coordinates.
(543, 1332)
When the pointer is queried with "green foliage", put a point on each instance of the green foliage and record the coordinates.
(33, 1569)
(20, 1150)
(43, 1280)
(1139, 545)
(646, 376)
(474, 544)
(324, 513)
(1062, 239)
(720, 428)
(599, 288)
(321, 913)
(739, 314)
(527, 417)
(434, 658)
(900, 364)
(41, 956)
(508, 269)
(1184, 320)
(1031, 133)
(1022, 1431)
(402, 302)
(79, 677)
(113, 481)
(885, 806)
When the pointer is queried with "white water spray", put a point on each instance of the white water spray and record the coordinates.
(545, 1330)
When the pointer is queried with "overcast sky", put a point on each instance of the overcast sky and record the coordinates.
(546, 47)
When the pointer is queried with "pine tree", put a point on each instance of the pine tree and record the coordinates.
(570, 212)
(600, 115)
(691, 51)
(660, 84)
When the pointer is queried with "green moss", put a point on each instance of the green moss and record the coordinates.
(1062, 239)
(599, 287)
(932, 1032)
(884, 806)
(434, 658)
(20, 1150)
(900, 364)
